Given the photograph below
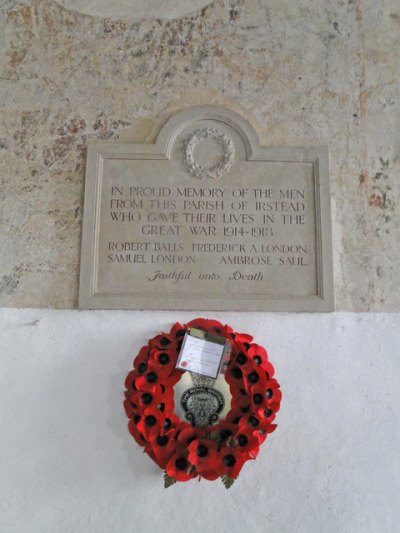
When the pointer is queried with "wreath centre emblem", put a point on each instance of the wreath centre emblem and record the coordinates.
(202, 405)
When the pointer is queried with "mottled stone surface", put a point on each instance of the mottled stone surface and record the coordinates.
(302, 74)
(135, 9)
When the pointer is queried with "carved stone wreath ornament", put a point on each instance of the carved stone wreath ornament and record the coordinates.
(223, 166)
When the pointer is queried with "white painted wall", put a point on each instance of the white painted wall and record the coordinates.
(68, 463)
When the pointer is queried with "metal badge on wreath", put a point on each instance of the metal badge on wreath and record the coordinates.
(202, 403)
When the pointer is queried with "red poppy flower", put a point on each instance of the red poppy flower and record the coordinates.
(264, 429)
(241, 358)
(230, 461)
(234, 416)
(166, 358)
(271, 397)
(143, 399)
(171, 420)
(152, 420)
(178, 331)
(252, 421)
(240, 364)
(266, 411)
(254, 379)
(238, 347)
(243, 389)
(234, 374)
(130, 380)
(246, 438)
(203, 454)
(179, 468)
(140, 361)
(131, 408)
(243, 405)
(162, 445)
(266, 395)
(211, 326)
(188, 434)
(156, 375)
(135, 432)
(236, 389)
(227, 331)
(243, 338)
(257, 353)
(260, 357)
(164, 341)
(210, 475)
(266, 417)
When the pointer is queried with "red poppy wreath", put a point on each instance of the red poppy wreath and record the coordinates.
(188, 450)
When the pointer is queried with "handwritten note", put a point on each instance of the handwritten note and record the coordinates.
(201, 356)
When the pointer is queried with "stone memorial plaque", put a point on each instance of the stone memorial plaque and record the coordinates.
(206, 218)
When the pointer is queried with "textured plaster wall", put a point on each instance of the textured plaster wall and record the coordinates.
(301, 72)
(68, 463)
(134, 9)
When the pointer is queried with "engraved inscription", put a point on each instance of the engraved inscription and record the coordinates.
(242, 227)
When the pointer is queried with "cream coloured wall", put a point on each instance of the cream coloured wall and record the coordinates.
(68, 462)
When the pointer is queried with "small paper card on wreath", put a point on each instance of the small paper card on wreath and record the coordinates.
(203, 353)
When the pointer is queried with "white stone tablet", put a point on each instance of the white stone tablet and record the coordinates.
(206, 218)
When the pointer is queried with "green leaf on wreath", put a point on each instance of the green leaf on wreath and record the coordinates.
(227, 481)
(214, 434)
(168, 480)
(191, 469)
